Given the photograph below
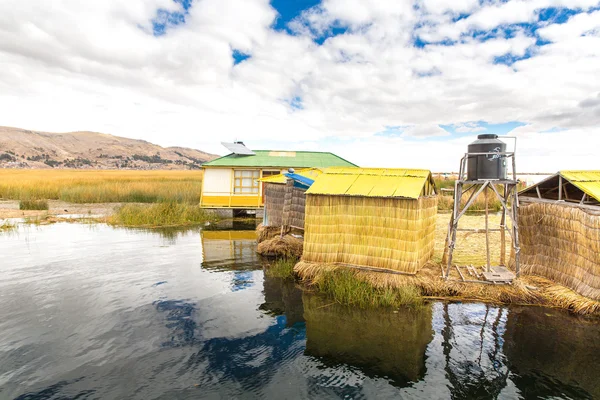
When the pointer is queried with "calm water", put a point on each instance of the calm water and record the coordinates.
(92, 312)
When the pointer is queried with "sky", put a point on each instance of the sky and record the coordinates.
(381, 83)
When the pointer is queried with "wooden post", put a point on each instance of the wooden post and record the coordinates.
(503, 231)
(515, 210)
(487, 232)
(559, 187)
(454, 226)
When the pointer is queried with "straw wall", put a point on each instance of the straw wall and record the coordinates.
(390, 233)
(561, 243)
(297, 207)
(274, 199)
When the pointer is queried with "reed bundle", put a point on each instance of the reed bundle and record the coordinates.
(266, 232)
(562, 244)
(389, 233)
(284, 247)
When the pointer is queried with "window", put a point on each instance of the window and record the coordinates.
(270, 173)
(246, 181)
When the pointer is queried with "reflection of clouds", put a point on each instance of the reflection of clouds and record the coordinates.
(179, 322)
(242, 280)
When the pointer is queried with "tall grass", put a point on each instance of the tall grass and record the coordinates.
(33, 205)
(7, 226)
(282, 268)
(163, 214)
(343, 286)
(101, 186)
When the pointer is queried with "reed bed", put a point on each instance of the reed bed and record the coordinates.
(281, 268)
(33, 205)
(164, 214)
(389, 233)
(428, 284)
(562, 243)
(7, 226)
(101, 186)
(282, 247)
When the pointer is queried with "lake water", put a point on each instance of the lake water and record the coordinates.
(94, 312)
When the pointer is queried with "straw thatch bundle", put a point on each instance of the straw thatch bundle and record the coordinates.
(267, 232)
(389, 233)
(274, 200)
(561, 243)
(286, 247)
(399, 354)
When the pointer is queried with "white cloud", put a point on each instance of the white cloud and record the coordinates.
(96, 66)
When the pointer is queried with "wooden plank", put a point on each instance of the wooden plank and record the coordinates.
(594, 209)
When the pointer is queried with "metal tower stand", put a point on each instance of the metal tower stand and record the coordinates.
(510, 203)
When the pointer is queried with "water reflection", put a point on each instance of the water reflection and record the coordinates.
(233, 251)
(543, 345)
(380, 342)
(114, 313)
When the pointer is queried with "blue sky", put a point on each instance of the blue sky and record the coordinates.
(375, 81)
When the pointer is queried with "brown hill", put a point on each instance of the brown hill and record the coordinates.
(20, 148)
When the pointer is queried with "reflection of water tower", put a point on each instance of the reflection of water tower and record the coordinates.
(483, 169)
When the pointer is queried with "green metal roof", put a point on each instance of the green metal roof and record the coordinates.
(281, 159)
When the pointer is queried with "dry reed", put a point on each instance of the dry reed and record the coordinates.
(101, 186)
(470, 250)
(527, 290)
(284, 247)
(390, 233)
(267, 232)
(561, 243)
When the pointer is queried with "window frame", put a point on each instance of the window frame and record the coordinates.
(238, 182)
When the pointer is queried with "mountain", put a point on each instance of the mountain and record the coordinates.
(20, 148)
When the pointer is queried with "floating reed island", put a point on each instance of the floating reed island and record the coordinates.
(373, 237)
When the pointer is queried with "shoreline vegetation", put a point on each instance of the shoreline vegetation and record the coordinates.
(131, 198)
(352, 287)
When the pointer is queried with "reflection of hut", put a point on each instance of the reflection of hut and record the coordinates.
(559, 220)
(550, 355)
(383, 344)
(367, 217)
(283, 298)
(229, 248)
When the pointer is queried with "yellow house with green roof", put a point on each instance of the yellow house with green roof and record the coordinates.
(232, 181)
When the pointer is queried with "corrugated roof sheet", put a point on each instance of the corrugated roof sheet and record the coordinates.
(587, 181)
(371, 182)
(281, 159)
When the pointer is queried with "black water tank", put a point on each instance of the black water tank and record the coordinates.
(488, 166)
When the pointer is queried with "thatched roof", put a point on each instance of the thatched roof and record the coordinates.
(575, 184)
(374, 182)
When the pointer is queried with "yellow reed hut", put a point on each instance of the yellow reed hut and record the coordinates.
(371, 218)
(559, 224)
